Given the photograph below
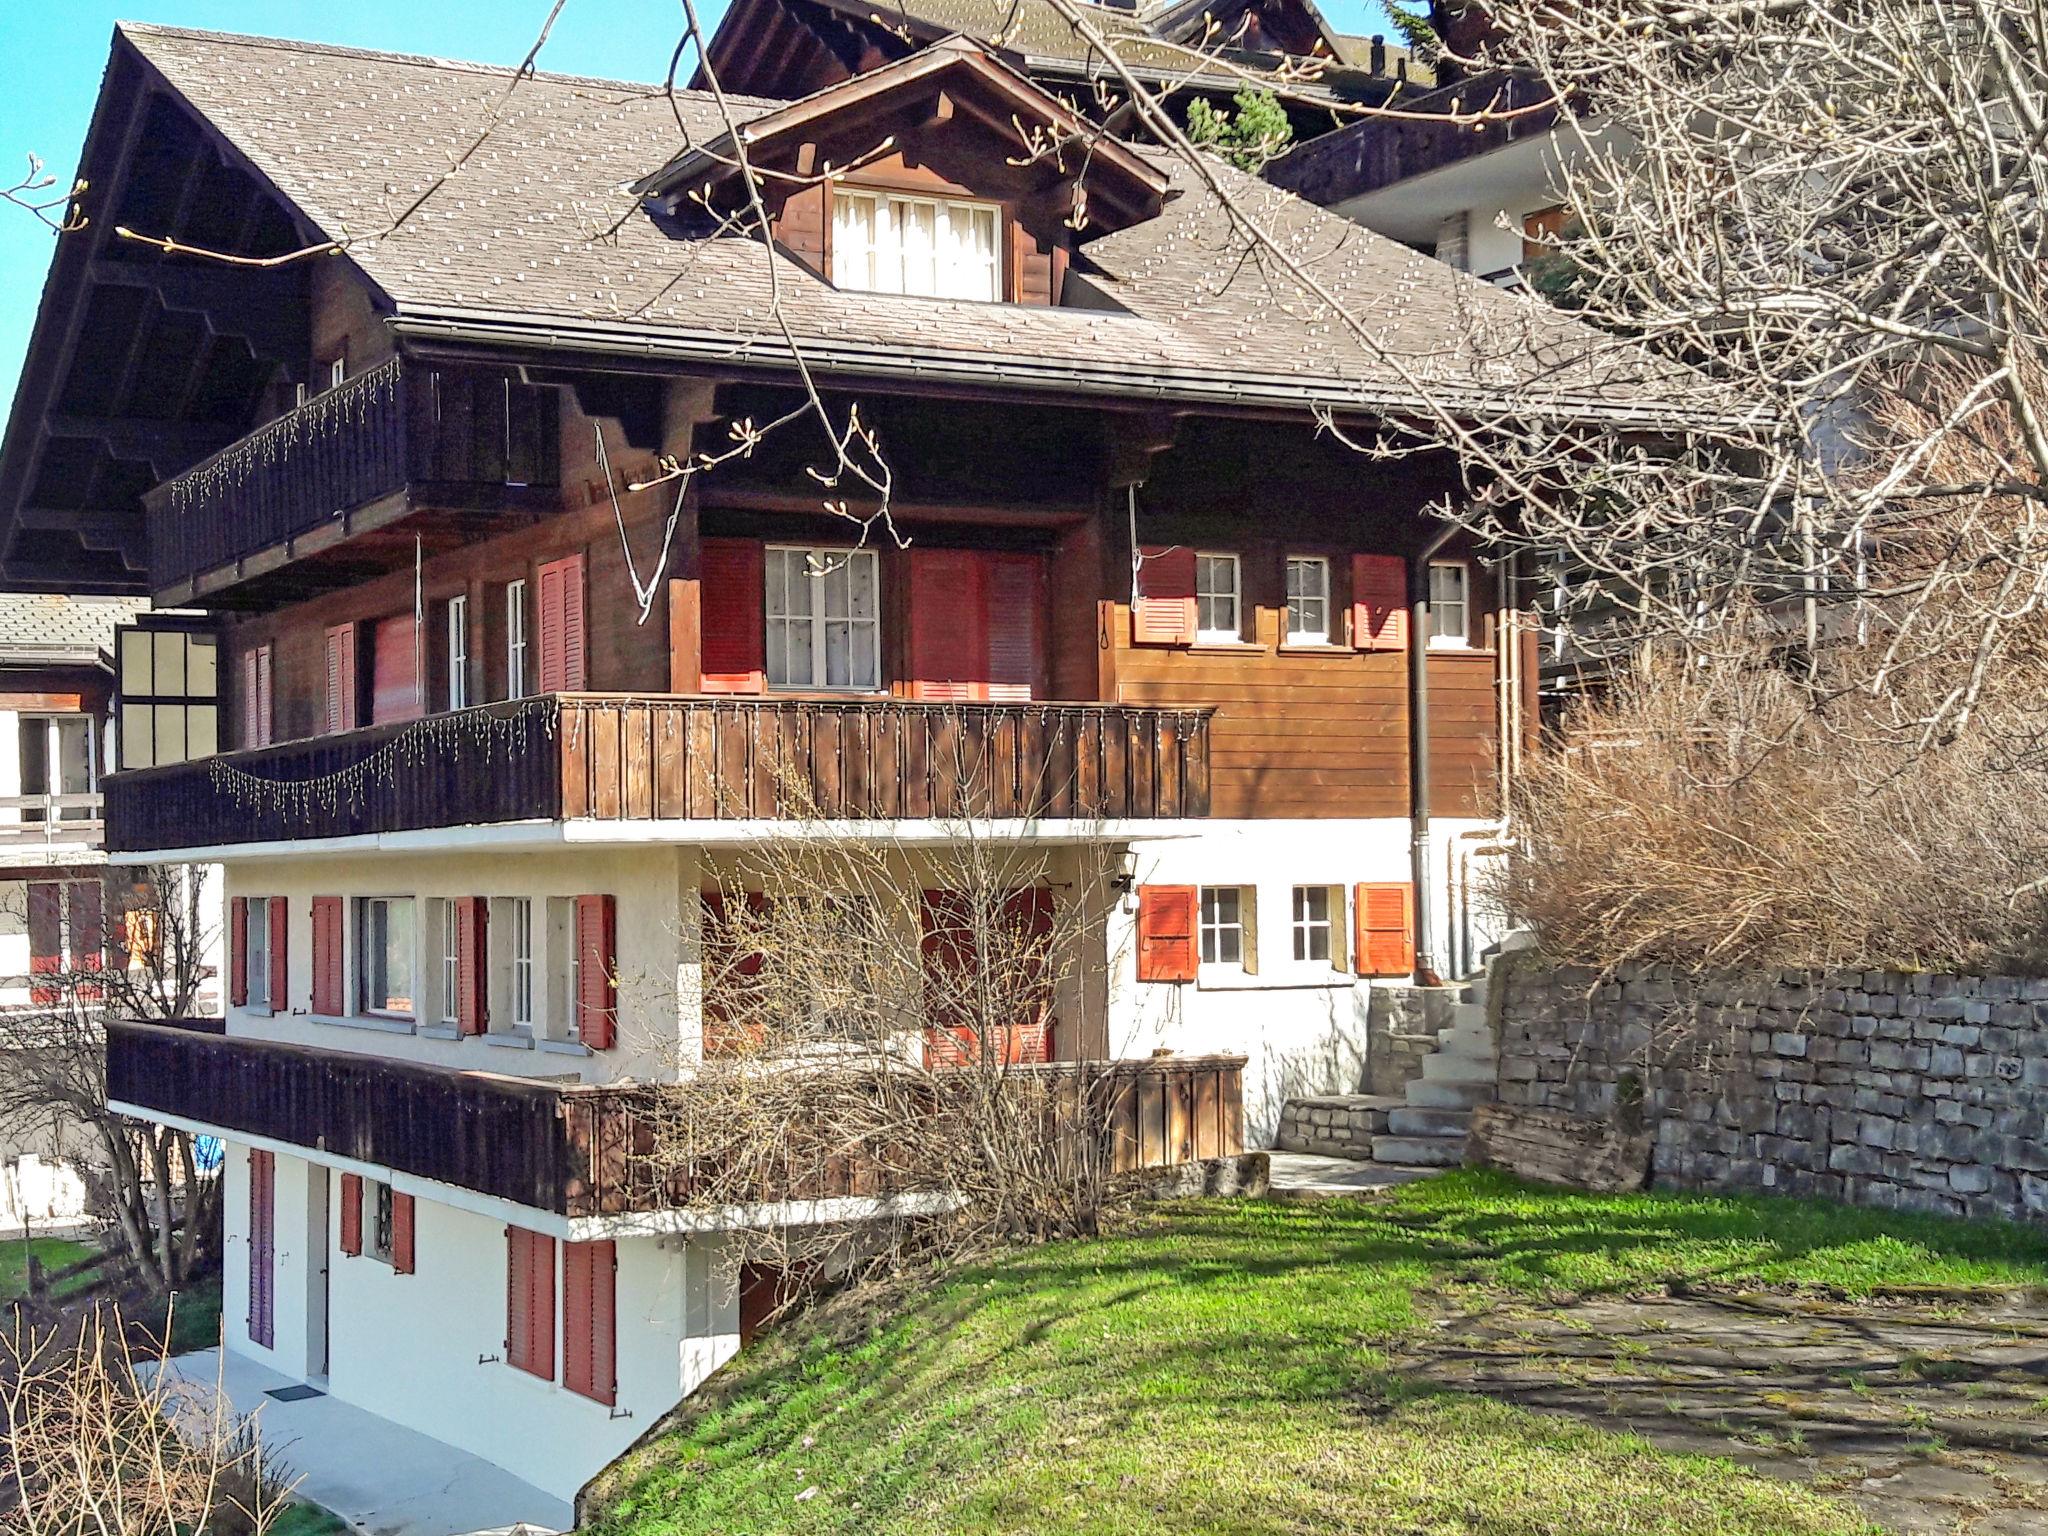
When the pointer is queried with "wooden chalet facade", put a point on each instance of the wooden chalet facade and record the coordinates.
(540, 587)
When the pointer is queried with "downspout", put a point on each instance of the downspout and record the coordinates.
(1418, 749)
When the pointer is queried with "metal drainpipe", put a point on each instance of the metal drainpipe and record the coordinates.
(1418, 747)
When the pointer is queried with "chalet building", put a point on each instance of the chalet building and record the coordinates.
(1185, 50)
(1479, 197)
(493, 720)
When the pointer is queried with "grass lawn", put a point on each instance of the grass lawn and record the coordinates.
(55, 1252)
(1215, 1367)
(307, 1520)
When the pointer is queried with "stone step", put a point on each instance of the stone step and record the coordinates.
(1428, 1095)
(1460, 1041)
(1419, 1151)
(1475, 991)
(1468, 1015)
(1441, 1068)
(1413, 1120)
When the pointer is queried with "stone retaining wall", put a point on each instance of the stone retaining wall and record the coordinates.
(1913, 1092)
(1334, 1125)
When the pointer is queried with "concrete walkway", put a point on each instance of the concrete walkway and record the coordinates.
(378, 1477)
(1306, 1176)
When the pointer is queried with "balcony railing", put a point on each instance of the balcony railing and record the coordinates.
(582, 1150)
(49, 821)
(603, 757)
(442, 435)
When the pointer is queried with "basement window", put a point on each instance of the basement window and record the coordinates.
(933, 247)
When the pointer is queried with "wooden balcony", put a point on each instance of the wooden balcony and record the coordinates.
(356, 458)
(605, 757)
(586, 1150)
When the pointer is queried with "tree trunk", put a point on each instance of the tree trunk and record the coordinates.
(166, 1227)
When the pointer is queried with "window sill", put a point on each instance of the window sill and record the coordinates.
(508, 1040)
(1315, 648)
(1229, 647)
(1219, 978)
(566, 1047)
(366, 1021)
(438, 1032)
(1436, 649)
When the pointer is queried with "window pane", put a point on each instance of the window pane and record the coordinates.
(138, 745)
(170, 733)
(137, 655)
(853, 241)
(917, 229)
(861, 572)
(201, 657)
(387, 955)
(170, 663)
(35, 756)
(202, 729)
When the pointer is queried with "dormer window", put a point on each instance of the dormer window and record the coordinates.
(939, 248)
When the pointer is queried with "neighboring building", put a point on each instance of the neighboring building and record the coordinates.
(1185, 50)
(1482, 198)
(489, 740)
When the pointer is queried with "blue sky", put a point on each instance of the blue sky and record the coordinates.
(52, 53)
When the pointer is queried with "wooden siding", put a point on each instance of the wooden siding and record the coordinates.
(577, 757)
(589, 1150)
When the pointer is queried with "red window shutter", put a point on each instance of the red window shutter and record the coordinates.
(589, 1320)
(562, 641)
(395, 670)
(262, 737)
(530, 1302)
(401, 1233)
(596, 971)
(1383, 916)
(1014, 610)
(1166, 933)
(352, 1214)
(732, 640)
(262, 1247)
(45, 938)
(86, 901)
(472, 953)
(948, 625)
(327, 956)
(238, 952)
(1379, 602)
(251, 728)
(280, 956)
(341, 678)
(1164, 612)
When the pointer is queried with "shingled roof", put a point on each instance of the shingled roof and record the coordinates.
(536, 241)
(47, 626)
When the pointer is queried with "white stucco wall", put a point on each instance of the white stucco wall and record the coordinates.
(655, 891)
(1302, 1027)
(425, 1350)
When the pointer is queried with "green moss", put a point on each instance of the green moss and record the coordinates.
(1216, 1367)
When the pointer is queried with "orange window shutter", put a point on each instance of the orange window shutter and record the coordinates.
(589, 1323)
(252, 728)
(1166, 933)
(948, 625)
(1014, 612)
(280, 967)
(540, 1306)
(1384, 918)
(401, 1233)
(238, 951)
(1164, 611)
(1379, 602)
(732, 638)
(518, 1297)
(596, 971)
(341, 678)
(352, 1214)
(85, 901)
(562, 643)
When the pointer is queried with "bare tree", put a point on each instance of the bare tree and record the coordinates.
(881, 1023)
(165, 1206)
(97, 1444)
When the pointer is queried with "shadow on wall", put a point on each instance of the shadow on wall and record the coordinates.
(1304, 1056)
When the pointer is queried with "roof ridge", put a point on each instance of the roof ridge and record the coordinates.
(140, 29)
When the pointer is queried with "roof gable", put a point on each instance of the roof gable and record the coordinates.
(949, 89)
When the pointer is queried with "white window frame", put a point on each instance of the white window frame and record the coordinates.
(1308, 600)
(1208, 594)
(1222, 921)
(50, 727)
(255, 952)
(380, 1221)
(458, 651)
(821, 563)
(883, 264)
(521, 965)
(366, 957)
(444, 936)
(515, 639)
(1306, 926)
(1442, 637)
